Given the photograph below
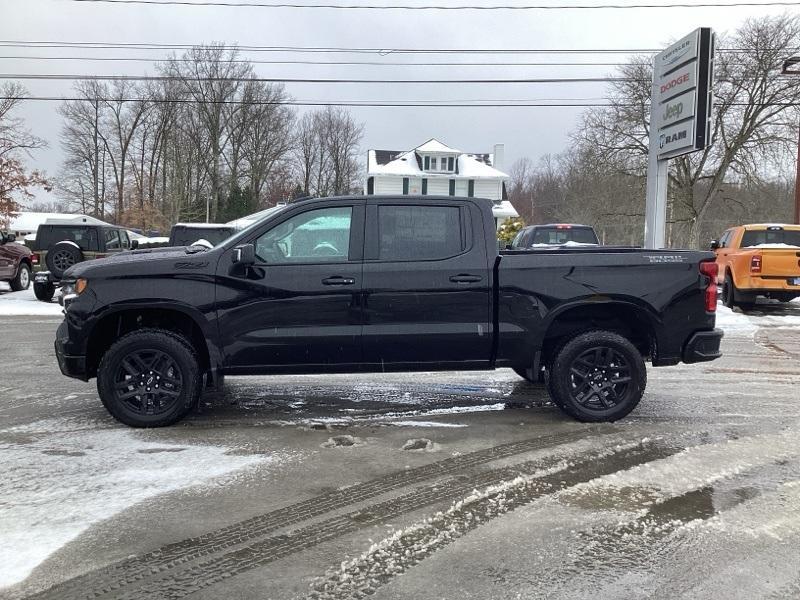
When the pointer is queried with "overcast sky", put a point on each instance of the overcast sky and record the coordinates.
(524, 131)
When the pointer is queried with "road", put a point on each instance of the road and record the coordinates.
(424, 486)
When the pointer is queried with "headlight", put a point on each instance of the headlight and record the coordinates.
(73, 288)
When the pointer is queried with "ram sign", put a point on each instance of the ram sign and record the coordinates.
(682, 95)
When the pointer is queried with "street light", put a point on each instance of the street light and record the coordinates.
(792, 67)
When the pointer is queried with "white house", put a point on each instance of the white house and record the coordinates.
(434, 169)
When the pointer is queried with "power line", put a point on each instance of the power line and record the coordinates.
(470, 7)
(320, 62)
(64, 77)
(349, 103)
(530, 103)
(386, 51)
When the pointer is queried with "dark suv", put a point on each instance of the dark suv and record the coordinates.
(186, 234)
(555, 234)
(58, 246)
(15, 263)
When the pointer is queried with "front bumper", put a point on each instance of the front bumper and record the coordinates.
(70, 365)
(703, 346)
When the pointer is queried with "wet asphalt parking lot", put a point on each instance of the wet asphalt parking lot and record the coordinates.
(423, 486)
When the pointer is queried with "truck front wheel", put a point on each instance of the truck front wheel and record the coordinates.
(597, 376)
(149, 378)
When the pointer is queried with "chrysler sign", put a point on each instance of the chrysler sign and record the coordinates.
(682, 98)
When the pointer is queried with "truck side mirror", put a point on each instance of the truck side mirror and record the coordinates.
(244, 255)
(134, 244)
(714, 245)
(10, 237)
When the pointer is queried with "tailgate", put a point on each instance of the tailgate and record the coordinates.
(780, 263)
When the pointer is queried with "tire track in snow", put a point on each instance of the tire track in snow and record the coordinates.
(110, 579)
(656, 513)
(394, 555)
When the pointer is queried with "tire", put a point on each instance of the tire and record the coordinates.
(730, 294)
(23, 279)
(600, 357)
(728, 291)
(62, 256)
(140, 363)
(44, 291)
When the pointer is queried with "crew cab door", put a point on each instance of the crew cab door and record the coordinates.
(426, 285)
(299, 305)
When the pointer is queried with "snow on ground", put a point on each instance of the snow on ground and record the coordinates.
(734, 322)
(62, 476)
(25, 303)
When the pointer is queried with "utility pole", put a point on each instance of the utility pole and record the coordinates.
(792, 67)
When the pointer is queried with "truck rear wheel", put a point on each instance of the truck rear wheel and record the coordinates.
(597, 376)
(149, 378)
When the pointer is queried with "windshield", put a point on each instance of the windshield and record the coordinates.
(563, 235)
(252, 226)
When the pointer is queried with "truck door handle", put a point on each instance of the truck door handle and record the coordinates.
(463, 278)
(337, 280)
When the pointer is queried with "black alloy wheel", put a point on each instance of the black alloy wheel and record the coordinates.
(148, 382)
(597, 376)
(150, 378)
(63, 260)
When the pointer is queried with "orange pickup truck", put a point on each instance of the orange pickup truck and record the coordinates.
(758, 260)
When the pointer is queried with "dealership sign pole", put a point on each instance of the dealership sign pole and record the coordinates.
(680, 119)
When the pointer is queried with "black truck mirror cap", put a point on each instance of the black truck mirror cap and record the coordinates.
(244, 255)
(714, 245)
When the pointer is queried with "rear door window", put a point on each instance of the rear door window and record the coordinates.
(407, 233)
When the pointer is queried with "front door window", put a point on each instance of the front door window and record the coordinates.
(315, 236)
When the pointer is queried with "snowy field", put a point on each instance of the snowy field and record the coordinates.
(69, 474)
(13, 304)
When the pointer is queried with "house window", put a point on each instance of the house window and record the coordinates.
(471, 188)
(452, 187)
(433, 164)
(450, 164)
(427, 163)
(405, 186)
(425, 186)
(370, 186)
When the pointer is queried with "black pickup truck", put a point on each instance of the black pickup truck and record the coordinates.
(373, 284)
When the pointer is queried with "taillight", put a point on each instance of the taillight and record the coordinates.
(34, 259)
(755, 264)
(710, 269)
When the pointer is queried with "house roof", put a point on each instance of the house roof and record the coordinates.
(408, 163)
(434, 145)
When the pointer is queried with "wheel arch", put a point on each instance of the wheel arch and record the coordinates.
(173, 317)
(634, 322)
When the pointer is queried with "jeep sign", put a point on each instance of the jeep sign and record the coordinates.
(676, 109)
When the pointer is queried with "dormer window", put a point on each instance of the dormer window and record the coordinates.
(433, 164)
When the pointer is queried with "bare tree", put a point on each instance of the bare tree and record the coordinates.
(751, 100)
(15, 142)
